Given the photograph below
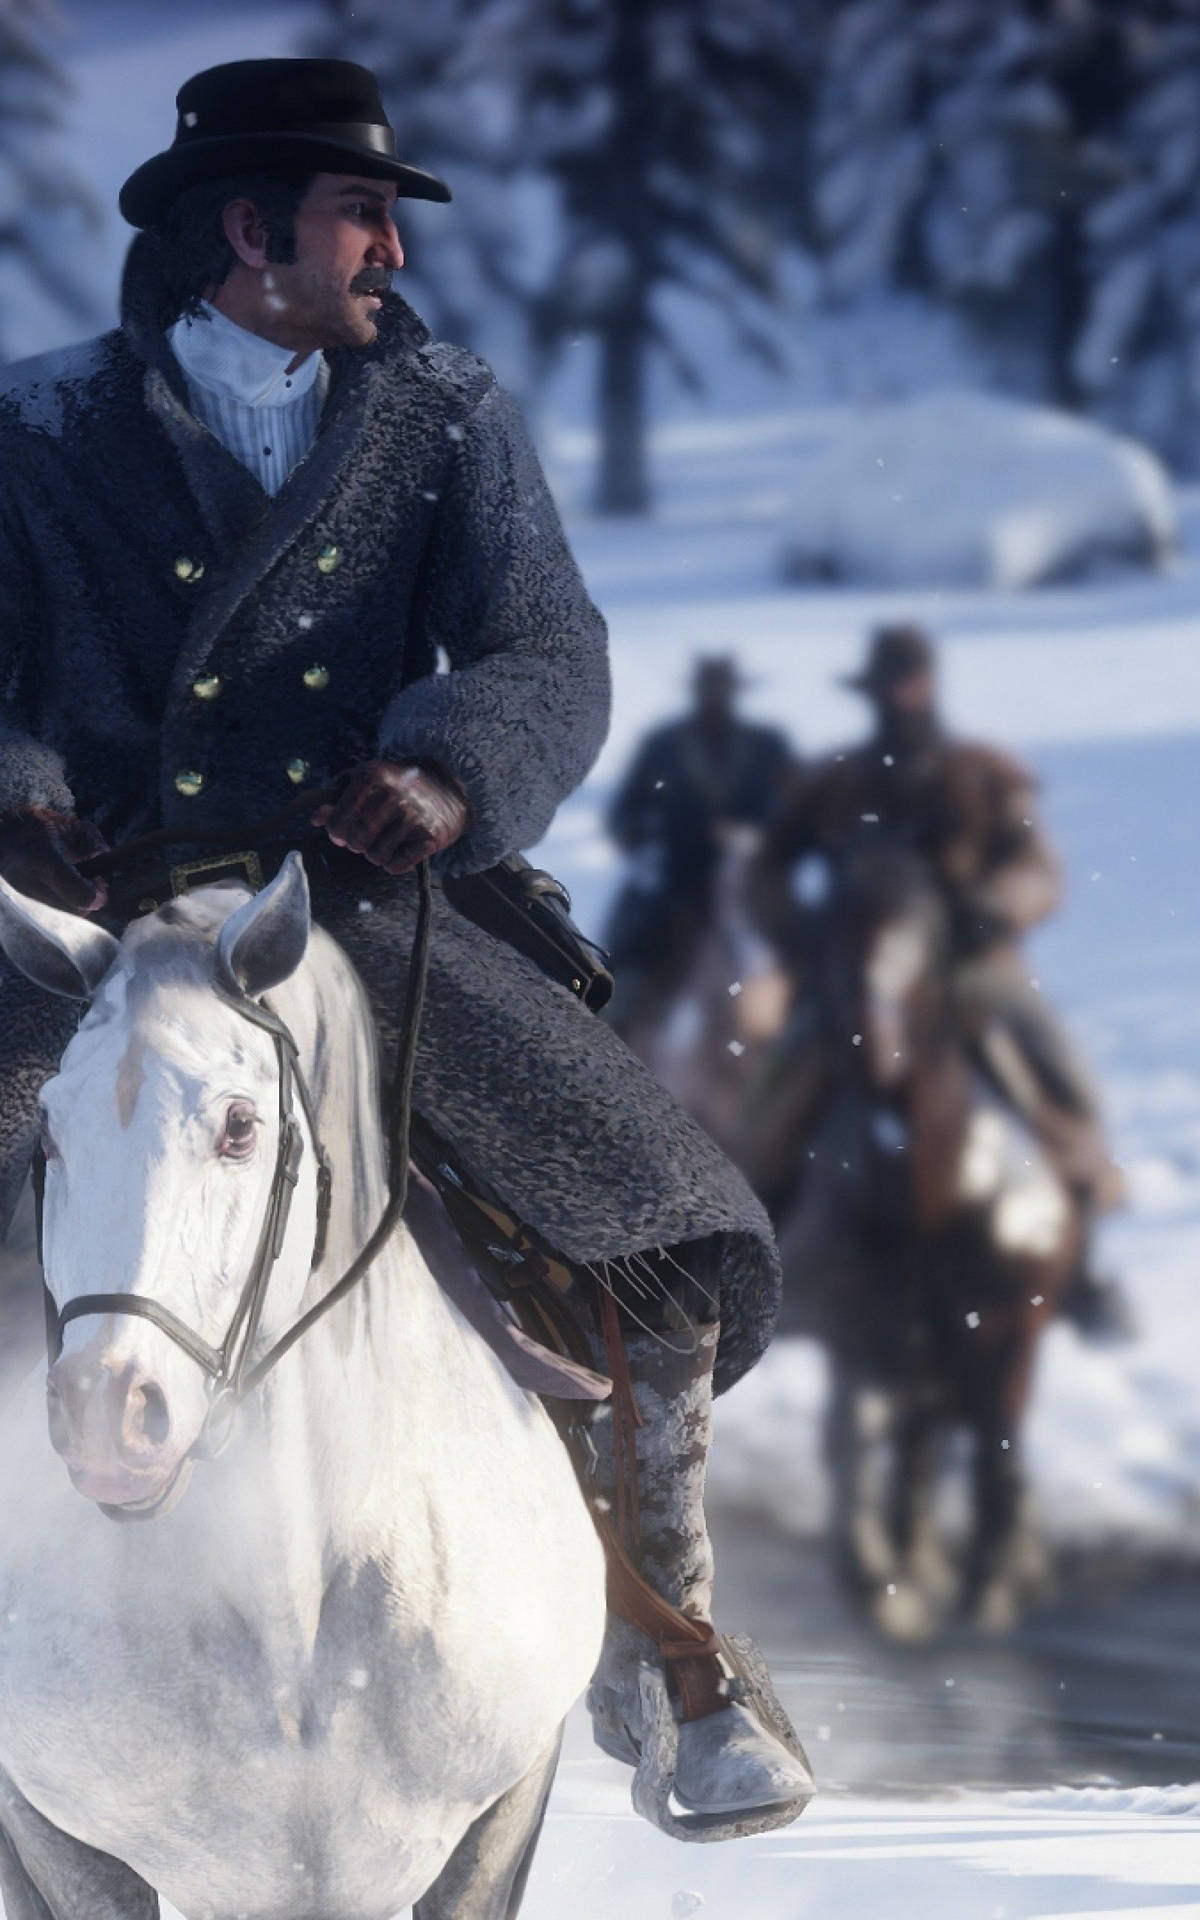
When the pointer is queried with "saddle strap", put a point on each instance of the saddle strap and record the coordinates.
(689, 1648)
(626, 1420)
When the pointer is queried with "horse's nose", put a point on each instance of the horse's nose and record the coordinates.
(122, 1410)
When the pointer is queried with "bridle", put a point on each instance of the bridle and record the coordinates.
(231, 1376)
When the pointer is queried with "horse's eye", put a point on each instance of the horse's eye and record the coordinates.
(46, 1139)
(238, 1135)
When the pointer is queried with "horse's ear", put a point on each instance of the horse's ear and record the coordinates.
(60, 951)
(264, 941)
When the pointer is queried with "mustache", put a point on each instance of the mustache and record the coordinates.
(372, 280)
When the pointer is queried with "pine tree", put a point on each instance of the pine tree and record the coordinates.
(957, 147)
(42, 209)
(660, 124)
(1137, 358)
(659, 134)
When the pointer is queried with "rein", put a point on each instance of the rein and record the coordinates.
(227, 1366)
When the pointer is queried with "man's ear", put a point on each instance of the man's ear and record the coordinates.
(246, 233)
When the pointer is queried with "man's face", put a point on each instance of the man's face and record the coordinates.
(715, 695)
(912, 694)
(347, 249)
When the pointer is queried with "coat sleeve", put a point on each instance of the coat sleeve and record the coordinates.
(523, 710)
(31, 773)
(1020, 884)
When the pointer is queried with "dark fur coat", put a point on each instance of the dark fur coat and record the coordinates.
(139, 562)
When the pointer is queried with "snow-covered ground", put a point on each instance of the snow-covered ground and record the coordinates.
(1100, 1854)
(1099, 686)
(977, 490)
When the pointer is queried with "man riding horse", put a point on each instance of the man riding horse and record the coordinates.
(969, 811)
(689, 783)
(268, 536)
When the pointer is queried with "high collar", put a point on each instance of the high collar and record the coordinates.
(218, 354)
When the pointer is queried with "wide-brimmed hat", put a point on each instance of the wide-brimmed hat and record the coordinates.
(324, 115)
(895, 654)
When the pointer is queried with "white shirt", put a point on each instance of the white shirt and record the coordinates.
(239, 386)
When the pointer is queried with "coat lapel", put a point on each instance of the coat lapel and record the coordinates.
(228, 496)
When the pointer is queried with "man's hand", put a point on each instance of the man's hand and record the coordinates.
(38, 851)
(395, 814)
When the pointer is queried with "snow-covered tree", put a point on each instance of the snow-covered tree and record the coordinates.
(453, 115)
(957, 146)
(43, 209)
(600, 151)
(1137, 357)
(660, 124)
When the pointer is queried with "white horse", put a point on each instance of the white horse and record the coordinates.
(326, 1676)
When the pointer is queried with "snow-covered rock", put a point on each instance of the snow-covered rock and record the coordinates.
(970, 490)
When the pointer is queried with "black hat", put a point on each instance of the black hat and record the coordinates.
(250, 114)
(895, 654)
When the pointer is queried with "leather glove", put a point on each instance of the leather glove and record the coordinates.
(38, 849)
(396, 813)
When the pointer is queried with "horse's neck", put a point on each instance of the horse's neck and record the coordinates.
(338, 1468)
(379, 1367)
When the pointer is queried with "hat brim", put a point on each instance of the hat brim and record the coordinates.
(868, 682)
(149, 190)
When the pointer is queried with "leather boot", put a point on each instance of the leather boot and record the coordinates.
(728, 1761)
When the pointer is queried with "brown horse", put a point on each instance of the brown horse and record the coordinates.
(929, 1244)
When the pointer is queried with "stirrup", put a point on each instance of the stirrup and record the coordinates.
(655, 1775)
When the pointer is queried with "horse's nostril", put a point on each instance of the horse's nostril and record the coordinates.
(151, 1416)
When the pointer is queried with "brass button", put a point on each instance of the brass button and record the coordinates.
(329, 559)
(207, 687)
(189, 570)
(316, 678)
(189, 783)
(298, 771)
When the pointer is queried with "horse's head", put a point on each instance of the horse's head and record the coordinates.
(888, 956)
(162, 1132)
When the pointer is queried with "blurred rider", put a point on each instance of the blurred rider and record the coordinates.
(690, 782)
(970, 811)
